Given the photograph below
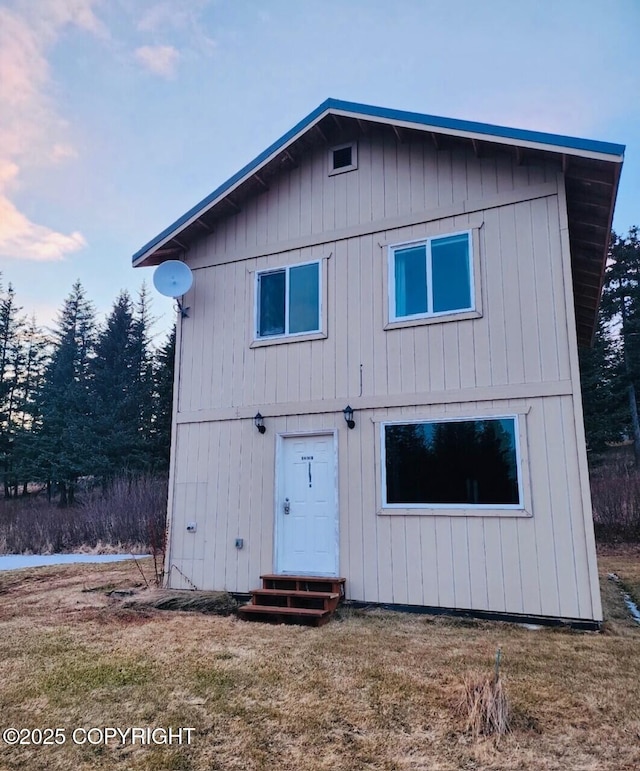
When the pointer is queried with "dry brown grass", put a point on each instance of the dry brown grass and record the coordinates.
(370, 692)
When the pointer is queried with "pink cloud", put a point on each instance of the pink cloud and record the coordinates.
(25, 240)
(31, 131)
(160, 60)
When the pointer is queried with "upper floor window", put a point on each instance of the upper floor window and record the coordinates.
(288, 301)
(431, 277)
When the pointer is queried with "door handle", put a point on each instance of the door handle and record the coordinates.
(286, 506)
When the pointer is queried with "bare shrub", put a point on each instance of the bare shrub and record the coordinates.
(484, 704)
(130, 509)
(616, 505)
(129, 514)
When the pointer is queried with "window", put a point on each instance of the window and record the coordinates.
(452, 464)
(343, 158)
(288, 301)
(431, 278)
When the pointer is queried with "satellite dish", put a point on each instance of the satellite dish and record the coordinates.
(173, 278)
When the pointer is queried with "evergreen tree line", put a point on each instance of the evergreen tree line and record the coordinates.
(84, 401)
(610, 370)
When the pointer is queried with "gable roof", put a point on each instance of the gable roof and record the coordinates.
(592, 171)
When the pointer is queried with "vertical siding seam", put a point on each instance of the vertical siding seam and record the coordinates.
(485, 560)
(518, 530)
(214, 442)
(437, 553)
(554, 289)
(421, 563)
(453, 562)
(536, 272)
(551, 512)
(517, 258)
(468, 550)
(406, 555)
(503, 586)
(239, 348)
(569, 514)
(500, 241)
(250, 504)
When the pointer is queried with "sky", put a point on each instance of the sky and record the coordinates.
(117, 116)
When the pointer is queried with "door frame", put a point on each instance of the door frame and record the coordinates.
(278, 476)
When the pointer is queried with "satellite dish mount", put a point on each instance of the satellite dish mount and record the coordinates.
(173, 279)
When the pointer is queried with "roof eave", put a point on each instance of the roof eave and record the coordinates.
(224, 190)
(617, 171)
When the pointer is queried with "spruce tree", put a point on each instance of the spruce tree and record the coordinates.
(122, 390)
(11, 359)
(603, 393)
(34, 348)
(144, 382)
(621, 311)
(65, 439)
(114, 373)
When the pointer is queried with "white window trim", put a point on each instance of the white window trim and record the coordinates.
(354, 158)
(391, 279)
(307, 334)
(482, 509)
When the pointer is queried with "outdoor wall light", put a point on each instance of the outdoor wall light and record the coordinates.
(259, 421)
(348, 416)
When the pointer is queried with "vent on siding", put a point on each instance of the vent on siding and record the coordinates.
(343, 158)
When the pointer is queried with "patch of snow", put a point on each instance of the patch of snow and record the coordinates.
(17, 561)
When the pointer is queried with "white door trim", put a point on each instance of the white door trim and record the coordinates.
(279, 459)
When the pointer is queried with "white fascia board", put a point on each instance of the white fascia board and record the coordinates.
(227, 191)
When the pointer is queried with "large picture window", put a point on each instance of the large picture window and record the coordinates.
(288, 301)
(451, 464)
(430, 278)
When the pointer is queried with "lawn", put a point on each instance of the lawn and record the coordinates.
(373, 691)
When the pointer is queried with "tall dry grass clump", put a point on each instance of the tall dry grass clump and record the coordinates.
(484, 703)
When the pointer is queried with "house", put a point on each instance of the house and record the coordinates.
(434, 276)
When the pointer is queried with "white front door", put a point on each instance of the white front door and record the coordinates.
(306, 506)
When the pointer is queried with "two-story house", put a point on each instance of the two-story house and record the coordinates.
(434, 276)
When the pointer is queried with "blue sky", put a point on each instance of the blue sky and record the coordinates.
(116, 116)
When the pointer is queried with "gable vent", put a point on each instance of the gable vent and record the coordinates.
(343, 158)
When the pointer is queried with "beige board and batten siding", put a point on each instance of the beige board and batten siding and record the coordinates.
(497, 561)
(515, 358)
(521, 336)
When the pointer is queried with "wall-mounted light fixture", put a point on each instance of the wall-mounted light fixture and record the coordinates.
(348, 416)
(259, 422)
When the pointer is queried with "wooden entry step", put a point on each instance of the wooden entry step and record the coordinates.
(294, 599)
(304, 583)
